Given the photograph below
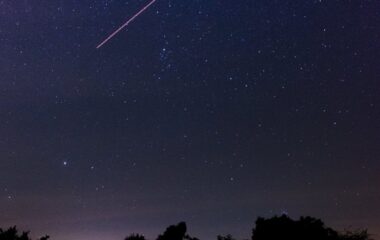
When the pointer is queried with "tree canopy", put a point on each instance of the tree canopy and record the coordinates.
(275, 228)
(13, 234)
(283, 227)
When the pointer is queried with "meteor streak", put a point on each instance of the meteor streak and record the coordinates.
(125, 24)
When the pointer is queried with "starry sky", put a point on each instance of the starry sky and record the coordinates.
(213, 112)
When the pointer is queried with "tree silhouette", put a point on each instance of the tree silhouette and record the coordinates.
(275, 228)
(46, 237)
(355, 235)
(12, 234)
(187, 237)
(226, 237)
(309, 228)
(135, 237)
(176, 232)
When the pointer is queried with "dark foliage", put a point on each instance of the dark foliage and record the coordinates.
(135, 237)
(355, 235)
(275, 228)
(226, 237)
(13, 234)
(283, 227)
(176, 232)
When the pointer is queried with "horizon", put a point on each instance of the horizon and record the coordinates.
(150, 236)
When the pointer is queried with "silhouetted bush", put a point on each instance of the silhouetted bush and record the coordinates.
(176, 232)
(309, 228)
(226, 237)
(275, 228)
(135, 237)
(12, 234)
(355, 235)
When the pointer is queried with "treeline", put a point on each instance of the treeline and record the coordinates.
(13, 234)
(275, 228)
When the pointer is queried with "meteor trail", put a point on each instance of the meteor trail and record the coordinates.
(125, 24)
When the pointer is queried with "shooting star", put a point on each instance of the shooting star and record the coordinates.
(125, 24)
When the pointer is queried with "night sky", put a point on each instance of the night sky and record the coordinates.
(213, 112)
